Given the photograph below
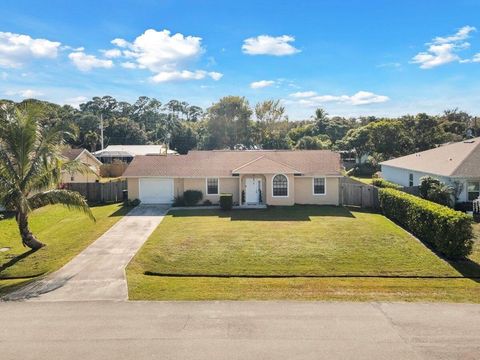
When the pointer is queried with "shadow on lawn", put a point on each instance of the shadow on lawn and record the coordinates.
(14, 260)
(274, 213)
(468, 268)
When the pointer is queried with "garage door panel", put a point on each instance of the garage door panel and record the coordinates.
(156, 190)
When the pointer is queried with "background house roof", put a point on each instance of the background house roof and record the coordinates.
(457, 159)
(132, 150)
(222, 163)
(71, 154)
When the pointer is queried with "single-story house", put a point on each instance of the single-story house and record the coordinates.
(270, 177)
(87, 158)
(126, 153)
(455, 164)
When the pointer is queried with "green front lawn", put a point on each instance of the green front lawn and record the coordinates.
(331, 242)
(65, 232)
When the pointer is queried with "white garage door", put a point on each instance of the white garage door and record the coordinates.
(156, 191)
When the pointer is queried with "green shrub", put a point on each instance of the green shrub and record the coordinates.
(434, 190)
(178, 201)
(226, 201)
(134, 202)
(447, 231)
(381, 183)
(364, 169)
(192, 197)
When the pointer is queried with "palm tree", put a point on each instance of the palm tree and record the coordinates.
(31, 166)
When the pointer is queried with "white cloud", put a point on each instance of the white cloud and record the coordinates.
(159, 50)
(462, 34)
(303, 94)
(269, 45)
(76, 101)
(476, 58)
(112, 53)
(261, 84)
(129, 65)
(86, 62)
(444, 50)
(166, 76)
(311, 99)
(17, 49)
(27, 93)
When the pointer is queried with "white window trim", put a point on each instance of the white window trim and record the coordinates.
(218, 185)
(324, 186)
(466, 188)
(288, 187)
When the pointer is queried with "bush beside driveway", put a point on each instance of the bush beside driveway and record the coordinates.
(356, 255)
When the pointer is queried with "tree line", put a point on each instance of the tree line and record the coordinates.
(232, 123)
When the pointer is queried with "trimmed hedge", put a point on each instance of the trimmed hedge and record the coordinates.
(192, 197)
(381, 183)
(447, 231)
(226, 201)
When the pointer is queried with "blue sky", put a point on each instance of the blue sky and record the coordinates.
(352, 58)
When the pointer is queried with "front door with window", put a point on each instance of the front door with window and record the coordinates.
(252, 190)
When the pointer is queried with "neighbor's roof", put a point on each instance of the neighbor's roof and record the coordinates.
(461, 159)
(71, 154)
(132, 150)
(226, 163)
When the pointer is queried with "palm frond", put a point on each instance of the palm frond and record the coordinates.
(71, 199)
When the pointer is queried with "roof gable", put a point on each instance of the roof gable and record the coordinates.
(264, 165)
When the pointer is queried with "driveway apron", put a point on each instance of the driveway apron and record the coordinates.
(98, 272)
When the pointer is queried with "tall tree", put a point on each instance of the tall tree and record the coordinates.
(228, 123)
(31, 166)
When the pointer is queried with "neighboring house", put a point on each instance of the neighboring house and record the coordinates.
(273, 177)
(456, 164)
(126, 153)
(87, 158)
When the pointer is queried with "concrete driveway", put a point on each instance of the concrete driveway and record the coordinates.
(98, 272)
(238, 330)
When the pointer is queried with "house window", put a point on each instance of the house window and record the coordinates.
(212, 186)
(473, 190)
(319, 186)
(280, 185)
(72, 178)
(410, 179)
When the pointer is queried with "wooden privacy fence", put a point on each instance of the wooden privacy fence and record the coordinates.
(354, 193)
(100, 192)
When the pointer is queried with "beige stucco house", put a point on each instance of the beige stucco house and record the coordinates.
(269, 177)
(87, 158)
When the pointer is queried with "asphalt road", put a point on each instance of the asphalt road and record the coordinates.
(237, 330)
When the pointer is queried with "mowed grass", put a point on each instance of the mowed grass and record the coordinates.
(351, 251)
(65, 232)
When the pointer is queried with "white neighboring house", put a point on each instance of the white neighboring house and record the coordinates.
(126, 153)
(86, 157)
(454, 164)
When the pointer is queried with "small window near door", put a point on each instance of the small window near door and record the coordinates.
(318, 186)
(280, 185)
(72, 178)
(473, 190)
(410, 179)
(212, 186)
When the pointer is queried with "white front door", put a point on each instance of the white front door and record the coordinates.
(252, 191)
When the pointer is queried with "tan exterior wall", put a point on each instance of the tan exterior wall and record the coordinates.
(300, 190)
(83, 178)
(304, 191)
(280, 201)
(132, 186)
(226, 185)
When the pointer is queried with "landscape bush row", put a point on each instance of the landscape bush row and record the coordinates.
(381, 183)
(447, 231)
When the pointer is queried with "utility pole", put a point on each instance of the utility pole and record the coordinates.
(101, 129)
